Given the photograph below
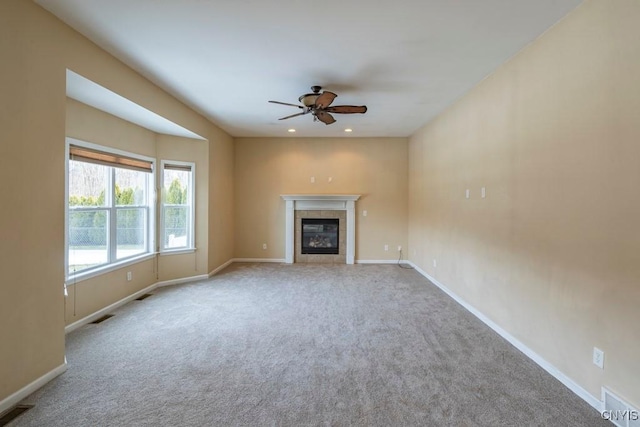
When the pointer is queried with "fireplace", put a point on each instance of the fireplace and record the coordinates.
(316, 206)
(320, 236)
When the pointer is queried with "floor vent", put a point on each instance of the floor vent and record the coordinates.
(14, 413)
(618, 411)
(102, 319)
(141, 297)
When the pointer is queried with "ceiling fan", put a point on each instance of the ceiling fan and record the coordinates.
(319, 105)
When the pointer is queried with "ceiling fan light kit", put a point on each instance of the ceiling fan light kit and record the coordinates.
(309, 99)
(319, 105)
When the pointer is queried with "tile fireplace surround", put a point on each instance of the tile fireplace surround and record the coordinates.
(320, 202)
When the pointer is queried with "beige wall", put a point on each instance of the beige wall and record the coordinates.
(221, 200)
(91, 125)
(265, 168)
(36, 49)
(552, 254)
(86, 297)
(32, 110)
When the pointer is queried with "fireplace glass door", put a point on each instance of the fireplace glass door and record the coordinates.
(320, 236)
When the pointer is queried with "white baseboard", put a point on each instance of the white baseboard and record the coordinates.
(25, 391)
(282, 261)
(277, 260)
(222, 267)
(181, 280)
(555, 372)
(380, 261)
(90, 318)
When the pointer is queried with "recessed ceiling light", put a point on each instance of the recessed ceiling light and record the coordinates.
(291, 130)
(348, 130)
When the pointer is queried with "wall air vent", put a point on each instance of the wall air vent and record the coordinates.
(619, 412)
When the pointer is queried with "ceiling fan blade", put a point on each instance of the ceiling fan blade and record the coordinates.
(324, 100)
(286, 103)
(294, 115)
(347, 109)
(324, 117)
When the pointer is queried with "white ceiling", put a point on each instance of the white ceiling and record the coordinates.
(407, 60)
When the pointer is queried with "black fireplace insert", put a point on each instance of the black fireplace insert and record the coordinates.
(320, 236)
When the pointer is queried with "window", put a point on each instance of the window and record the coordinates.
(177, 212)
(109, 207)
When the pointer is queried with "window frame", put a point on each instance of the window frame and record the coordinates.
(113, 263)
(191, 199)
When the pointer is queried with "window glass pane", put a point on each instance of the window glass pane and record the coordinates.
(88, 239)
(88, 226)
(176, 226)
(130, 187)
(176, 187)
(176, 208)
(87, 184)
(130, 232)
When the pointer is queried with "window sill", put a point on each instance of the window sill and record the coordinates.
(177, 251)
(72, 280)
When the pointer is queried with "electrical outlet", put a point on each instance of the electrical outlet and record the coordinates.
(313, 179)
(364, 212)
(264, 246)
(399, 248)
(129, 276)
(386, 247)
(435, 264)
(598, 357)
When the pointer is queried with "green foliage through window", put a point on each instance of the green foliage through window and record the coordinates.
(177, 208)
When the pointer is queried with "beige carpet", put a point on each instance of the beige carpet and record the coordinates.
(300, 345)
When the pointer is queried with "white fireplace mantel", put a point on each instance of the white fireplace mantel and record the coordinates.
(324, 202)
